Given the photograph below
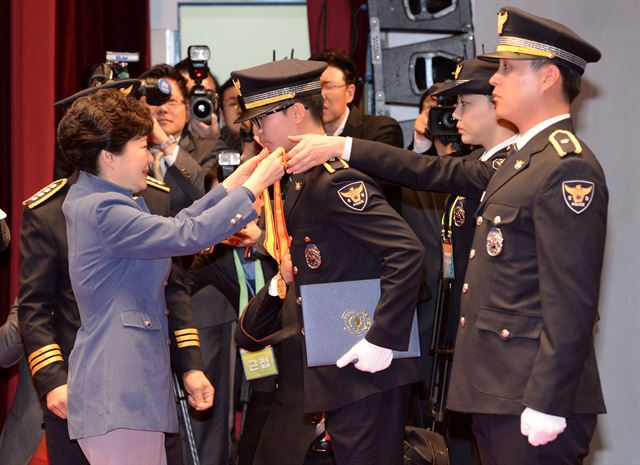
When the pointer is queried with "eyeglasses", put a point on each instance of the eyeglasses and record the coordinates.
(173, 103)
(256, 121)
(329, 86)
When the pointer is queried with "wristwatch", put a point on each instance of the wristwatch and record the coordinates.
(168, 143)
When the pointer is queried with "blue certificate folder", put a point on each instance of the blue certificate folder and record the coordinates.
(337, 315)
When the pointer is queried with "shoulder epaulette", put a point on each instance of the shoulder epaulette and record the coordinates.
(335, 164)
(45, 193)
(157, 184)
(564, 142)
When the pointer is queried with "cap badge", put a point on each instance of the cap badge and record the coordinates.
(577, 195)
(519, 164)
(457, 72)
(502, 20)
(236, 84)
(354, 195)
(126, 91)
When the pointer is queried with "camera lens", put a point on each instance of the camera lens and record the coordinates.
(448, 121)
(201, 108)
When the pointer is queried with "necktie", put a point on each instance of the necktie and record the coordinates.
(156, 167)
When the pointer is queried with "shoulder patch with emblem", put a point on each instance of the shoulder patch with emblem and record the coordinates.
(578, 194)
(564, 142)
(153, 182)
(335, 164)
(45, 193)
(354, 195)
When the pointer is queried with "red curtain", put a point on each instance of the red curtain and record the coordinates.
(48, 45)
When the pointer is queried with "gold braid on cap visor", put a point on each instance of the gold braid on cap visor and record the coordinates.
(531, 47)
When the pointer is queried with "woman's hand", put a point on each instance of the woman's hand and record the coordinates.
(200, 392)
(242, 173)
(269, 170)
(286, 268)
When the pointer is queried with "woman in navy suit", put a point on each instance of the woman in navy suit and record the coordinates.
(120, 392)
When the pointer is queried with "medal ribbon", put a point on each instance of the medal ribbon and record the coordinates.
(276, 238)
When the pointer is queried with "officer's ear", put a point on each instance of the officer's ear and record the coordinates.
(298, 112)
(550, 76)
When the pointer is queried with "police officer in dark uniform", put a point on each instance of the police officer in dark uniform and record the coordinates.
(524, 363)
(342, 229)
(478, 126)
(48, 312)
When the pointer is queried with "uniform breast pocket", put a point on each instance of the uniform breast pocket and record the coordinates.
(500, 230)
(506, 347)
(310, 250)
(140, 346)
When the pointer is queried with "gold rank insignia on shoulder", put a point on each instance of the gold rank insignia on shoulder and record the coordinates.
(45, 193)
(153, 182)
(354, 195)
(335, 164)
(187, 337)
(564, 142)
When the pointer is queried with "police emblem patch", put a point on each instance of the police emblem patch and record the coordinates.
(495, 242)
(578, 194)
(312, 256)
(356, 322)
(354, 195)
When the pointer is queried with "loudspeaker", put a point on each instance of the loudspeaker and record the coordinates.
(411, 69)
(424, 15)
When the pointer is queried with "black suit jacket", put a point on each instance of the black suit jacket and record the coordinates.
(381, 129)
(527, 314)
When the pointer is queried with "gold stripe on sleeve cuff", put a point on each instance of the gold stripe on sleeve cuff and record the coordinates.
(46, 362)
(42, 350)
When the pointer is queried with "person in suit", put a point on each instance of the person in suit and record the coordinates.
(341, 118)
(120, 400)
(176, 156)
(342, 229)
(5, 234)
(524, 363)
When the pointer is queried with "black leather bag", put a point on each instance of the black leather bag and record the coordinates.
(424, 447)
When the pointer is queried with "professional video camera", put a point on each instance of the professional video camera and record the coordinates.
(115, 68)
(441, 120)
(204, 102)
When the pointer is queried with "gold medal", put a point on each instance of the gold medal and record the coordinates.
(282, 287)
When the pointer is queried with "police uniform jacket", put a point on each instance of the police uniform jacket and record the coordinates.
(119, 373)
(460, 212)
(530, 295)
(355, 237)
(382, 129)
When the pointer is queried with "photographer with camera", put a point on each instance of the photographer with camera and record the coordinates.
(175, 155)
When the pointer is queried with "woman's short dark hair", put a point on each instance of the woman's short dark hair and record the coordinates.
(104, 120)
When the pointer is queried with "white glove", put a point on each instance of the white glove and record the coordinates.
(539, 427)
(368, 357)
